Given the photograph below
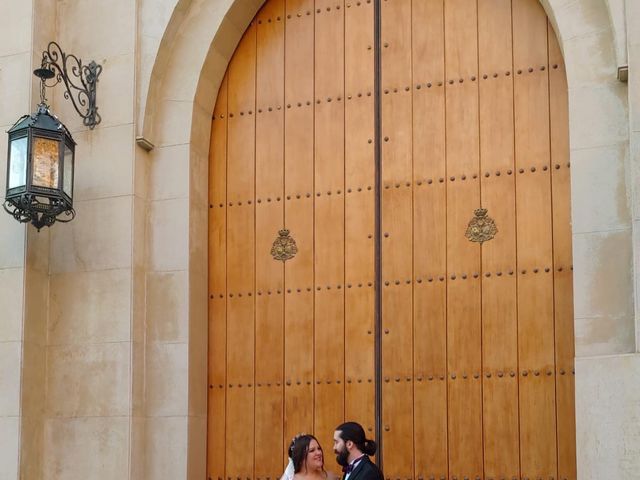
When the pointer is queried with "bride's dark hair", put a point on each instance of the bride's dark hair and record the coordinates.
(298, 450)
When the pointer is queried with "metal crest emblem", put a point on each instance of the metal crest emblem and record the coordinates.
(481, 227)
(284, 247)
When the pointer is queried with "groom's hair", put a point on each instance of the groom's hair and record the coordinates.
(353, 431)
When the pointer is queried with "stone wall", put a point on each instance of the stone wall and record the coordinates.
(103, 323)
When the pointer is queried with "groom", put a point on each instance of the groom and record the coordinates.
(352, 451)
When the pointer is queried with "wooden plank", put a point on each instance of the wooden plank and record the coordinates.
(463, 257)
(534, 237)
(329, 219)
(240, 390)
(217, 288)
(359, 217)
(240, 258)
(562, 260)
(499, 307)
(429, 240)
(269, 341)
(299, 334)
(397, 241)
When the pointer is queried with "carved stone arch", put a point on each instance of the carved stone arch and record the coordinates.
(192, 59)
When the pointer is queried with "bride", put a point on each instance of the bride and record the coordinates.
(306, 461)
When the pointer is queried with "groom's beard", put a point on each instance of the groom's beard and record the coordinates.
(343, 458)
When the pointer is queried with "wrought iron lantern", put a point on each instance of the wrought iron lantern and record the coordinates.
(41, 156)
(40, 170)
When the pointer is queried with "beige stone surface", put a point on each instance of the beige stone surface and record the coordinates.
(36, 306)
(38, 243)
(607, 417)
(636, 264)
(599, 187)
(4, 140)
(169, 176)
(44, 24)
(102, 29)
(139, 307)
(634, 97)
(198, 365)
(31, 448)
(10, 366)
(141, 172)
(12, 242)
(158, 21)
(166, 452)
(175, 127)
(103, 315)
(14, 97)
(138, 448)
(139, 240)
(597, 116)
(86, 448)
(200, 141)
(167, 306)
(104, 167)
(168, 247)
(98, 239)
(15, 24)
(11, 298)
(583, 17)
(138, 357)
(197, 460)
(9, 447)
(619, 27)
(88, 380)
(167, 379)
(632, 19)
(34, 380)
(603, 293)
(590, 60)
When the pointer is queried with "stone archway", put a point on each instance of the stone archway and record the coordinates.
(198, 44)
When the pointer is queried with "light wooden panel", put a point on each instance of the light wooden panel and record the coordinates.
(499, 308)
(269, 148)
(299, 334)
(240, 259)
(562, 261)
(429, 240)
(534, 237)
(359, 217)
(329, 219)
(216, 427)
(463, 257)
(397, 241)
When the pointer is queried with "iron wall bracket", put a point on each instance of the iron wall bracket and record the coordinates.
(80, 81)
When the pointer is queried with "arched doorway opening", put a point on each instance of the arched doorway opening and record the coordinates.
(475, 334)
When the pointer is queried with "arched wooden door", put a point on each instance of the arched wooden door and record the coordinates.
(429, 296)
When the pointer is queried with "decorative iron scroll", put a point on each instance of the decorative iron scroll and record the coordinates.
(284, 247)
(80, 81)
(481, 228)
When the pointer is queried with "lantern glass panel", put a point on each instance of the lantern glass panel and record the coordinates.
(46, 158)
(68, 171)
(18, 163)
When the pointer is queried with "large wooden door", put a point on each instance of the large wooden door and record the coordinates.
(456, 354)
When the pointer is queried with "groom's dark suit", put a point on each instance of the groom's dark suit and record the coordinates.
(365, 469)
